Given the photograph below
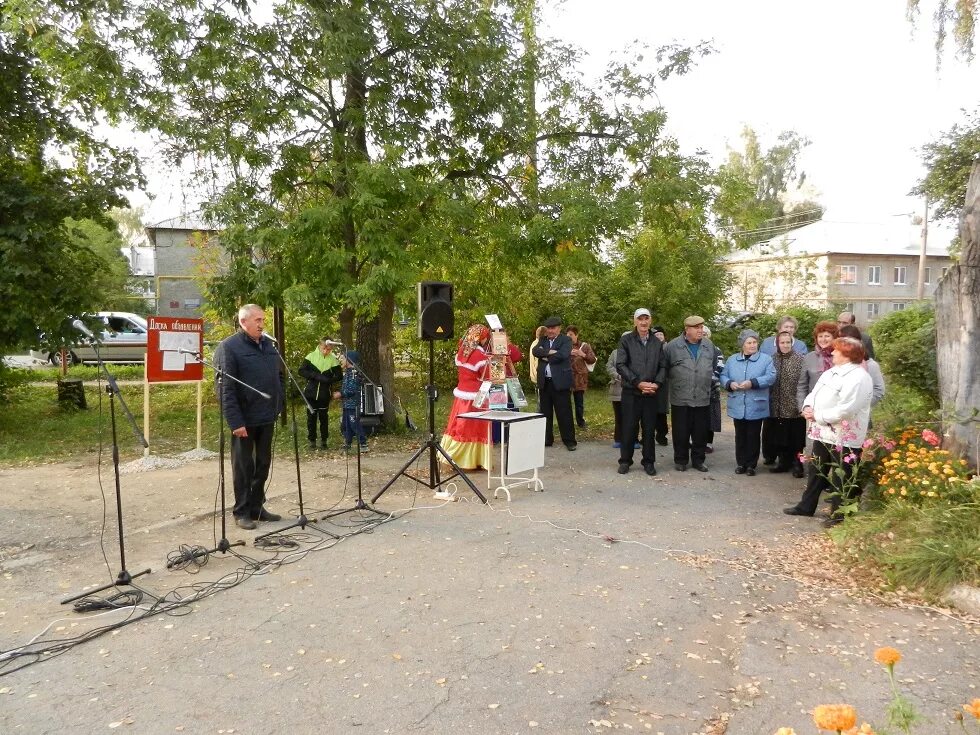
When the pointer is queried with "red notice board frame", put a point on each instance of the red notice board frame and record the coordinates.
(163, 363)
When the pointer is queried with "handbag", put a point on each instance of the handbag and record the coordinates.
(592, 366)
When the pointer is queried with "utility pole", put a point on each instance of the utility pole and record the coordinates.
(921, 289)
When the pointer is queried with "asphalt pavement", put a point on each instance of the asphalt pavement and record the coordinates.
(666, 605)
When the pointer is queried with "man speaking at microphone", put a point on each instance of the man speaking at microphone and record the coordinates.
(251, 357)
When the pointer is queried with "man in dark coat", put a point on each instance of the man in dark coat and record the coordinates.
(554, 352)
(641, 363)
(253, 359)
(321, 370)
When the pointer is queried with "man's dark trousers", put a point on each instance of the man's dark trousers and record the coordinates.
(558, 403)
(689, 429)
(251, 457)
(638, 410)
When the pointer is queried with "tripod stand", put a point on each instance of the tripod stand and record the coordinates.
(223, 544)
(432, 446)
(112, 389)
(302, 521)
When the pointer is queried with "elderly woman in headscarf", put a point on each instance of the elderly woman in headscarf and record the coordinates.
(466, 440)
(784, 432)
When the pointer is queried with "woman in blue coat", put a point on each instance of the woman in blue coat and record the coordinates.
(747, 376)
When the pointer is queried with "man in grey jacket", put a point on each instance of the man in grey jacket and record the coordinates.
(690, 369)
(251, 357)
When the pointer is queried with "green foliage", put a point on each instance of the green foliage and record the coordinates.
(948, 161)
(902, 406)
(929, 547)
(960, 17)
(52, 174)
(752, 187)
(905, 346)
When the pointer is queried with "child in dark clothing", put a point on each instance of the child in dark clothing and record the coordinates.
(350, 395)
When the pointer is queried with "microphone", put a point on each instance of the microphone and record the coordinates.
(182, 351)
(333, 343)
(270, 337)
(80, 326)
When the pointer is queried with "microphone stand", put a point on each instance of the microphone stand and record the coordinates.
(359, 504)
(112, 388)
(302, 521)
(223, 544)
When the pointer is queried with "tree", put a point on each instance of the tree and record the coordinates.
(753, 185)
(961, 16)
(361, 144)
(948, 162)
(51, 170)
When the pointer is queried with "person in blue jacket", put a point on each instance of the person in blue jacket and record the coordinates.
(747, 376)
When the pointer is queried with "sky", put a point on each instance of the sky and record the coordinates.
(855, 78)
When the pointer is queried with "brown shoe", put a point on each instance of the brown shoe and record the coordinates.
(247, 523)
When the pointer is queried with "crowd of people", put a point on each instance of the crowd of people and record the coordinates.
(780, 394)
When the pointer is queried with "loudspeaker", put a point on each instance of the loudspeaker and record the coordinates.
(435, 301)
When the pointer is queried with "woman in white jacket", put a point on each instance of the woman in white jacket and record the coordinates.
(838, 409)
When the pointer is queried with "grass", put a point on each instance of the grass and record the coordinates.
(35, 429)
(927, 548)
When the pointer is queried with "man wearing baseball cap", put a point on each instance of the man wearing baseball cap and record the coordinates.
(554, 353)
(641, 364)
(690, 368)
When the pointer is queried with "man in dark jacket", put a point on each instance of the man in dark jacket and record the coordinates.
(690, 370)
(321, 370)
(252, 358)
(554, 352)
(641, 363)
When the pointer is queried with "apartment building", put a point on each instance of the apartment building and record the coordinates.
(870, 269)
(176, 258)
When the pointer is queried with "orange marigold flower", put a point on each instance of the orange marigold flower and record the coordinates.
(786, 731)
(834, 717)
(888, 656)
(973, 708)
(865, 729)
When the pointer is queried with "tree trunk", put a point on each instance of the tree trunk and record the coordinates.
(958, 335)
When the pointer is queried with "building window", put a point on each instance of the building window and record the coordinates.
(945, 270)
(874, 275)
(898, 306)
(849, 306)
(847, 274)
(874, 309)
(900, 271)
(928, 278)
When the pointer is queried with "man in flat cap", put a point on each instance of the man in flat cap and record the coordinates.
(641, 363)
(554, 353)
(690, 368)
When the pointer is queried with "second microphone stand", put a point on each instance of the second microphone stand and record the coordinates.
(359, 504)
(302, 521)
(223, 545)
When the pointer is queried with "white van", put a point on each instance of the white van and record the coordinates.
(122, 339)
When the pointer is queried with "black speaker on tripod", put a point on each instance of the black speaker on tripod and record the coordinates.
(435, 323)
(435, 301)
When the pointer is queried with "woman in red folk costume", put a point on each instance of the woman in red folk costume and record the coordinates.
(466, 440)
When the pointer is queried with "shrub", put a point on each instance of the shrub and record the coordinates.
(905, 345)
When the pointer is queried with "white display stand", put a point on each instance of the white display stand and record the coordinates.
(521, 451)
